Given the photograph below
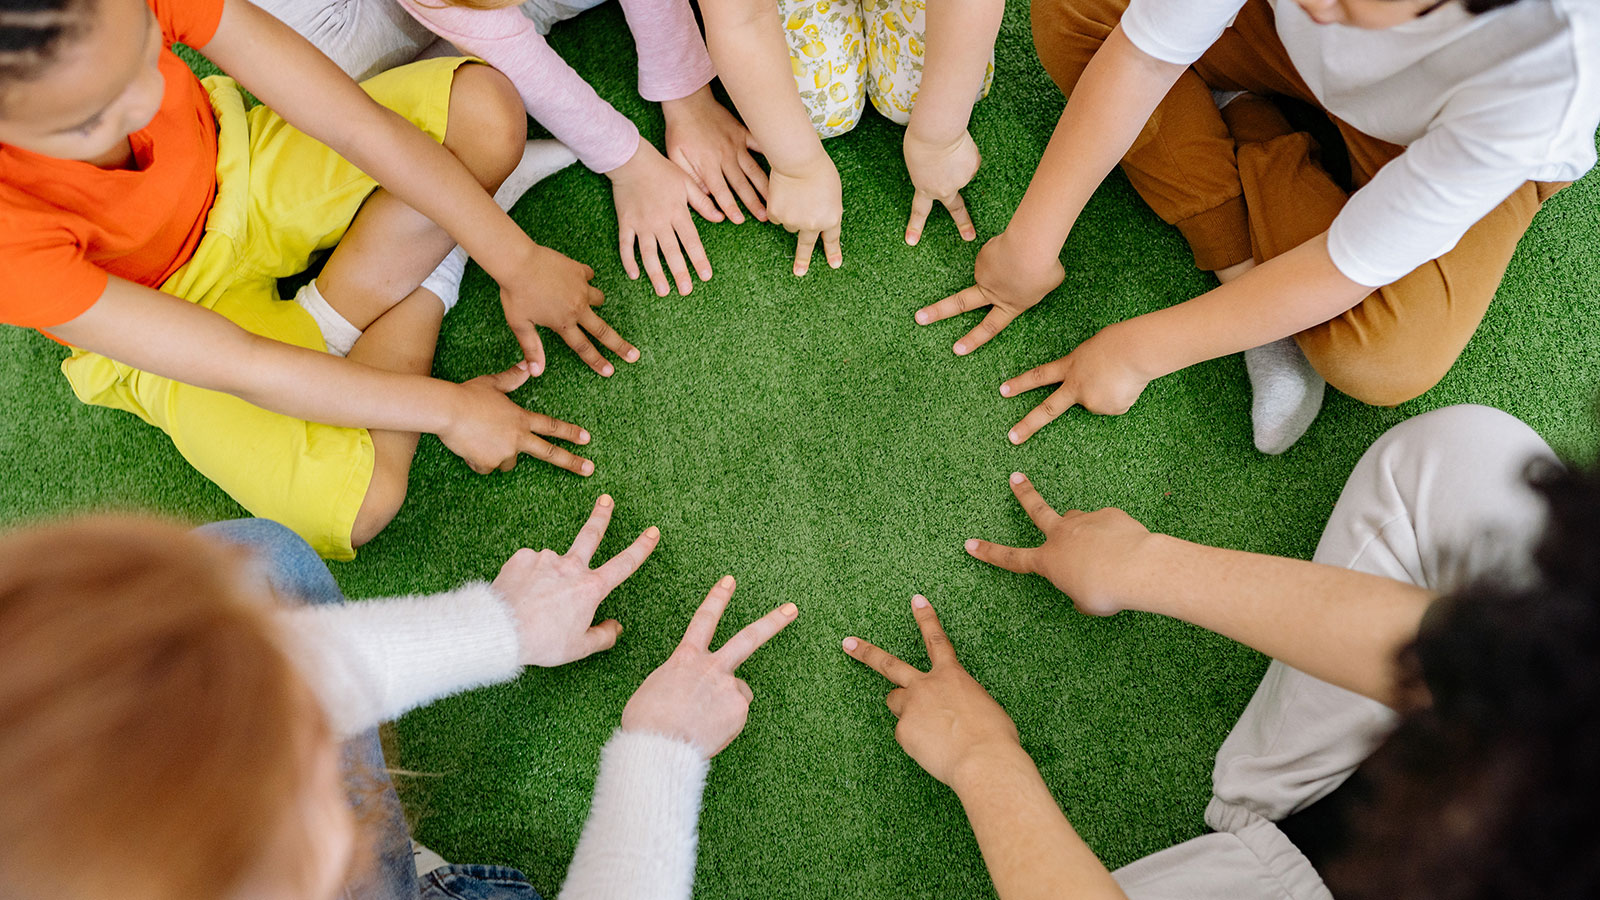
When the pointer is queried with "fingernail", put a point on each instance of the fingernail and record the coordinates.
(536, 368)
(961, 349)
(922, 318)
(726, 581)
(789, 609)
(583, 436)
(523, 365)
(609, 370)
(605, 500)
(588, 468)
(799, 272)
(705, 275)
(1016, 477)
(918, 601)
(652, 532)
(912, 238)
(851, 644)
(972, 544)
(1015, 438)
(835, 263)
(1005, 390)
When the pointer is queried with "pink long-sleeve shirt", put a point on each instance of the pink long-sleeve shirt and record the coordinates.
(673, 64)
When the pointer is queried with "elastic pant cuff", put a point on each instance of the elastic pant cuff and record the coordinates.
(1220, 236)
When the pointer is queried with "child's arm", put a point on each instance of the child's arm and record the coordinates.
(166, 336)
(1342, 626)
(537, 285)
(1118, 92)
(652, 197)
(940, 154)
(956, 732)
(746, 41)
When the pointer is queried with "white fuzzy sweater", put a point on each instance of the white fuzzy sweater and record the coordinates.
(373, 661)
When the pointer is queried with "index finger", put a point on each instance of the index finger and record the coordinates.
(591, 322)
(940, 651)
(992, 324)
(966, 300)
(831, 248)
(921, 205)
(752, 636)
(1033, 503)
(881, 661)
(593, 531)
(804, 244)
(581, 345)
(963, 219)
(1043, 414)
(539, 448)
(703, 625)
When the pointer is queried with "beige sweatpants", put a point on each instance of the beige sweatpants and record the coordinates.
(1436, 501)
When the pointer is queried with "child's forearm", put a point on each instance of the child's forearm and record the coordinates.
(959, 39)
(1115, 97)
(1030, 848)
(745, 38)
(1339, 625)
(1283, 296)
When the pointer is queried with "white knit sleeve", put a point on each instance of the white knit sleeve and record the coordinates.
(372, 661)
(640, 839)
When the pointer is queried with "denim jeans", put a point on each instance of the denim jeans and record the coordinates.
(294, 569)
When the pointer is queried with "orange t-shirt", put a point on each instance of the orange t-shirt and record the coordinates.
(66, 225)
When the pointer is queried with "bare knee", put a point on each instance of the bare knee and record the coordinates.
(488, 125)
(385, 495)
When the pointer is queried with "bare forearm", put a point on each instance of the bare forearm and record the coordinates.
(960, 37)
(1341, 626)
(322, 388)
(1115, 97)
(745, 39)
(1032, 851)
(1283, 296)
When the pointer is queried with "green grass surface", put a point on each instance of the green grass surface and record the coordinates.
(806, 436)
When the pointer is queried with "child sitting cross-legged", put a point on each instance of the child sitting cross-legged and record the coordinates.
(145, 218)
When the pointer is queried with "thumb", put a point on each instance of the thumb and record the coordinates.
(601, 637)
(533, 347)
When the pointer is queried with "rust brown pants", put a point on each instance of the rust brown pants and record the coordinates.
(1240, 183)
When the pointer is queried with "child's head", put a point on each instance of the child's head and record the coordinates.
(77, 76)
(1378, 14)
(155, 741)
(1489, 790)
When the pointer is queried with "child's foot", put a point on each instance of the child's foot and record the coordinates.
(1286, 394)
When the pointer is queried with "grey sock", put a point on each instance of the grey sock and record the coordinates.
(540, 159)
(1286, 394)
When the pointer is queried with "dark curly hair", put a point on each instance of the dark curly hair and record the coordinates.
(1489, 791)
(32, 32)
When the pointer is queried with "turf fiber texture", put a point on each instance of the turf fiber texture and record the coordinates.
(806, 436)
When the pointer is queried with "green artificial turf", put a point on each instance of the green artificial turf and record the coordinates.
(806, 436)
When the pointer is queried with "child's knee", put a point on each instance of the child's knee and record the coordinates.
(1378, 370)
(488, 125)
(385, 495)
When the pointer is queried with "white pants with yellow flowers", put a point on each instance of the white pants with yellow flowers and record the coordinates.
(846, 51)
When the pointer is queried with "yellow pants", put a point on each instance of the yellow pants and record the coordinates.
(845, 52)
(281, 197)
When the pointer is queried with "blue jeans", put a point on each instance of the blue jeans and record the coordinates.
(295, 570)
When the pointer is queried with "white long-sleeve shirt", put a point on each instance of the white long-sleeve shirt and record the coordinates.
(374, 660)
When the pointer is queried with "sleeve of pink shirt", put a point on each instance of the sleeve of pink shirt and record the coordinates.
(673, 62)
(555, 95)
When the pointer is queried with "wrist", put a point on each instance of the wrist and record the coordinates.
(1153, 553)
(1142, 354)
(687, 106)
(989, 767)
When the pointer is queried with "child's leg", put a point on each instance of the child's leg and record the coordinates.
(828, 53)
(1438, 500)
(372, 279)
(364, 37)
(896, 44)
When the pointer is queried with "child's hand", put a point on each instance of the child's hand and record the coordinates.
(1096, 376)
(553, 597)
(694, 696)
(706, 141)
(489, 431)
(1087, 556)
(948, 723)
(1009, 280)
(556, 293)
(939, 172)
(809, 204)
(653, 197)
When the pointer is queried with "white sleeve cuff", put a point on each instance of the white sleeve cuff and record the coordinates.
(1178, 31)
(372, 661)
(639, 841)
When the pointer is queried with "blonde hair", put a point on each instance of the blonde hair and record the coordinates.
(153, 735)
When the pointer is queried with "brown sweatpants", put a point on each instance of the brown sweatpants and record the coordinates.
(1241, 183)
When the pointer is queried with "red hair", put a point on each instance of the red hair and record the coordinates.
(153, 736)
